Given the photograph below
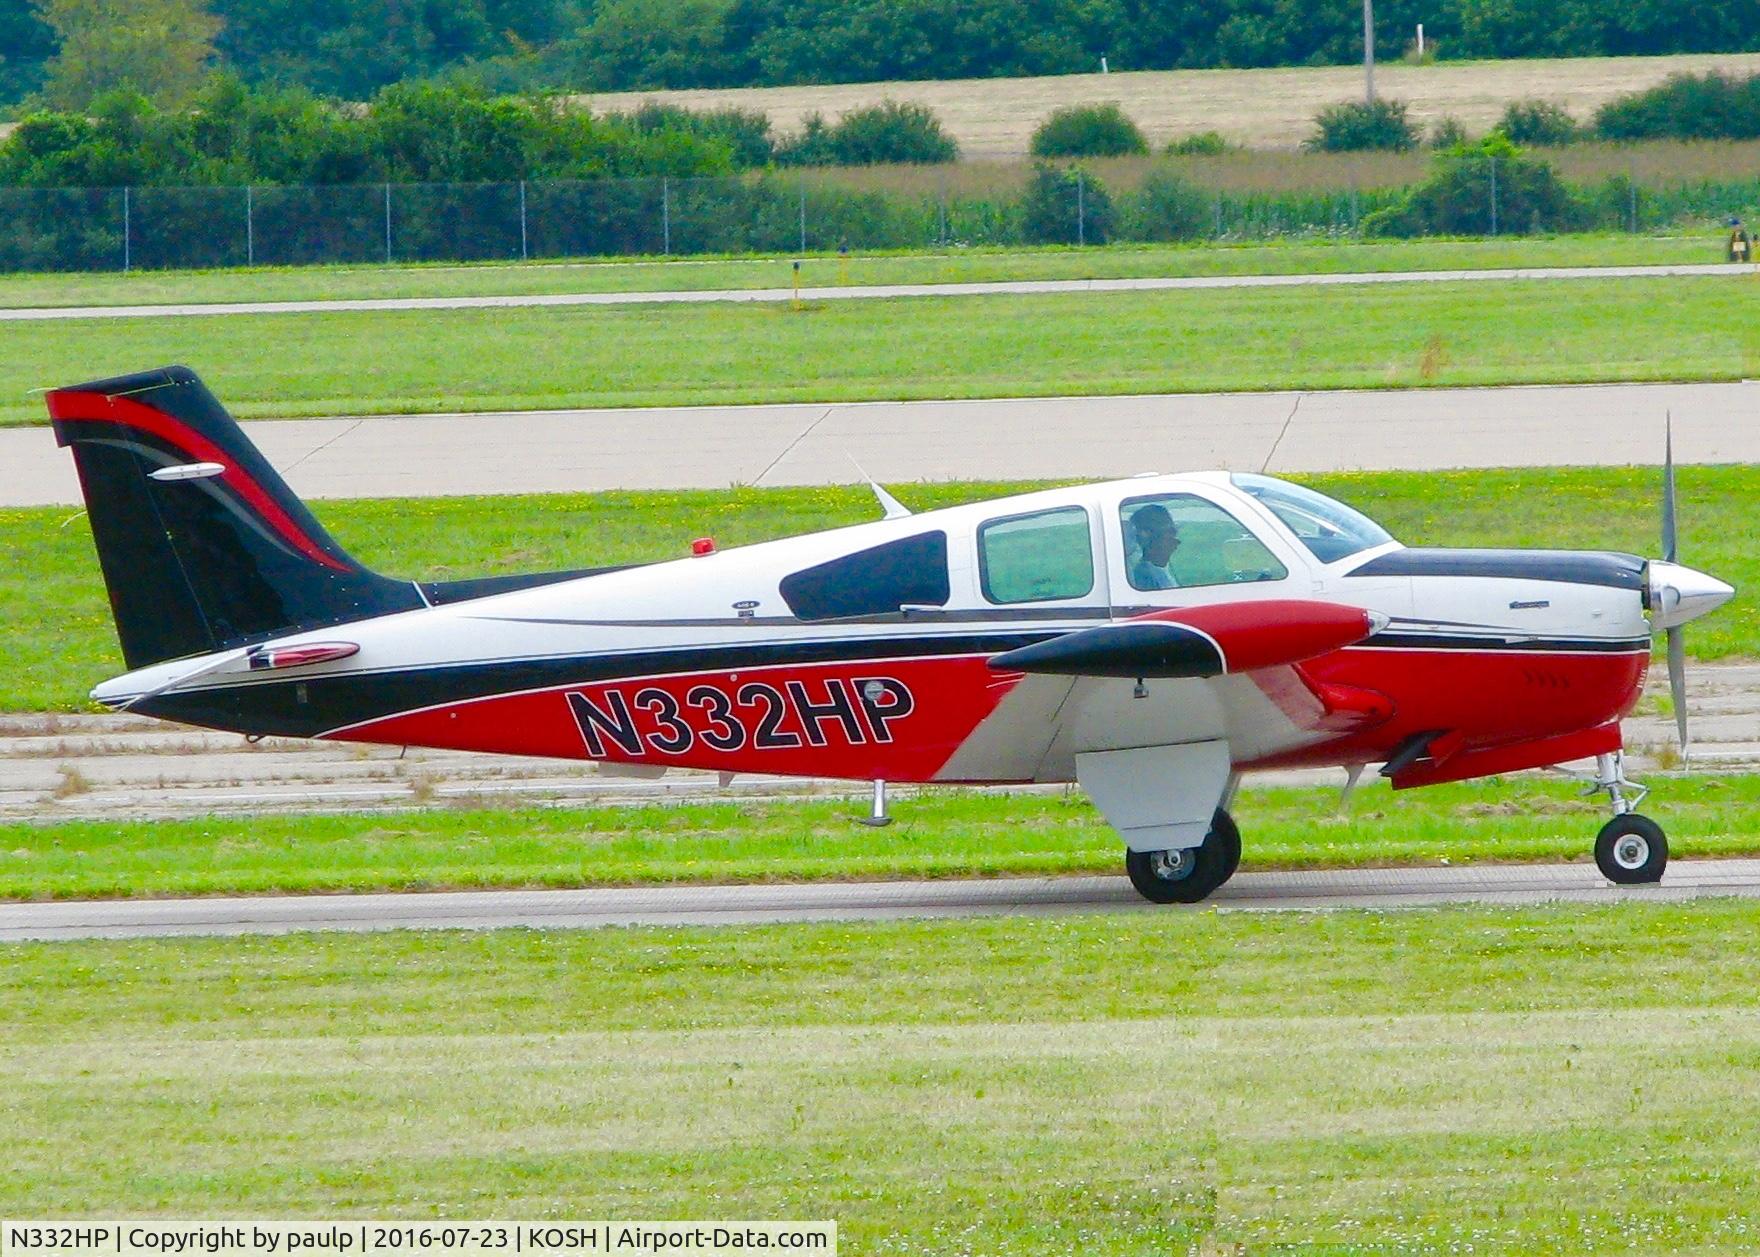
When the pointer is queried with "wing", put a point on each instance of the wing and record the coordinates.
(1157, 758)
(1199, 641)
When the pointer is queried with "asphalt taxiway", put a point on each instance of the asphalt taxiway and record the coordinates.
(1320, 891)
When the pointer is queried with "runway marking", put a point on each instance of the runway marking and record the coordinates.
(1311, 891)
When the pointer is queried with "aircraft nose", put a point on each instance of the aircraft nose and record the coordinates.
(1679, 594)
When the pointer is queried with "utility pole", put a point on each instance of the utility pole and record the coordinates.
(1369, 49)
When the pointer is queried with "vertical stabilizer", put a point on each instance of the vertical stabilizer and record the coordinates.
(203, 545)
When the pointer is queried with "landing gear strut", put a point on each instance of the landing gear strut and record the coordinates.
(1186, 876)
(1630, 850)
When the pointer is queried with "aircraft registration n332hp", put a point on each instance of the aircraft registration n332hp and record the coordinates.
(1151, 639)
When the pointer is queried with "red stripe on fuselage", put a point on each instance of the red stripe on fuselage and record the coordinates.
(76, 407)
(895, 719)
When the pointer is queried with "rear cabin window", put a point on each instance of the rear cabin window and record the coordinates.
(1042, 557)
(876, 581)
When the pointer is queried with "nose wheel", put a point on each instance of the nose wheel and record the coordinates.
(1630, 850)
(1190, 874)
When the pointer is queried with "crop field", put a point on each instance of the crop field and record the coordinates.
(1568, 1079)
(1291, 257)
(1370, 336)
(59, 640)
(1271, 108)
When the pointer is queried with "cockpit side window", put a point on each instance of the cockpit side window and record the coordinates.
(1180, 541)
(1046, 556)
(876, 581)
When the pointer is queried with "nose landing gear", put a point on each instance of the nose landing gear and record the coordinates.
(1630, 850)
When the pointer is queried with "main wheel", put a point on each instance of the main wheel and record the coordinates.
(1223, 828)
(1631, 850)
(1186, 876)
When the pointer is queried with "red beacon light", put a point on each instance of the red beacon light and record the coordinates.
(702, 546)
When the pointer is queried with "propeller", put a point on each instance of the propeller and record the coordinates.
(1677, 646)
(1677, 594)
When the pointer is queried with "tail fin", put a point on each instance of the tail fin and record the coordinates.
(203, 545)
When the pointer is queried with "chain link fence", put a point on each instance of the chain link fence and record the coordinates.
(152, 228)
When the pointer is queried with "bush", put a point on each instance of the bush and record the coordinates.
(1088, 131)
(1449, 132)
(1203, 144)
(1539, 122)
(893, 132)
(1168, 207)
(746, 131)
(1355, 125)
(1066, 205)
(1686, 107)
(890, 132)
(1457, 198)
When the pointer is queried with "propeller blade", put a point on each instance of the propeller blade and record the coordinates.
(1668, 529)
(1677, 681)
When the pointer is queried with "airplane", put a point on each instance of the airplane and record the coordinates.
(1151, 639)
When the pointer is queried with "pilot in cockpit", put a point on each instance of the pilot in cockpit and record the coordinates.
(1157, 538)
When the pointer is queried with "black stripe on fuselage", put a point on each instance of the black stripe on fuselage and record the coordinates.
(294, 707)
(1467, 642)
(1610, 569)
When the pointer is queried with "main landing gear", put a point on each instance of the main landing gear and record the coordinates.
(1630, 850)
(1192, 874)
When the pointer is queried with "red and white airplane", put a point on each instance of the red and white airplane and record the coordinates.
(1151, 638)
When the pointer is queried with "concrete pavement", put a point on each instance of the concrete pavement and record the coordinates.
(901, 442)
(1320, 891)
(860, 292)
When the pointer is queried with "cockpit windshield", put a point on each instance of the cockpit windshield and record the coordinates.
(1331, 530)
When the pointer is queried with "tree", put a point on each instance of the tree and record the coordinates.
(157, 48)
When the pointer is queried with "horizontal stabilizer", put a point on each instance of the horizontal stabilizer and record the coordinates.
(1199, 641)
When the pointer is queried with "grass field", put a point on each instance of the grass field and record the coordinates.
(940, 833)
(1561, 1080)
(58, 640)
(1044, 345)
(1270, 108)
(318, 283)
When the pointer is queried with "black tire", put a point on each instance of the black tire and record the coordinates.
(1223, 828)
(1196, 873)
(1631, 850)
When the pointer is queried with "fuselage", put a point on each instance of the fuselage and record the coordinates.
(865, 652)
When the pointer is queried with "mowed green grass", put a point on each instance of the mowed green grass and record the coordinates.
(319, 283)
(1367, 336)
(1568, 1079)
(938, 833)
(57, 639)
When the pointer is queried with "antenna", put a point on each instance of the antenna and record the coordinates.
(893, 508)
